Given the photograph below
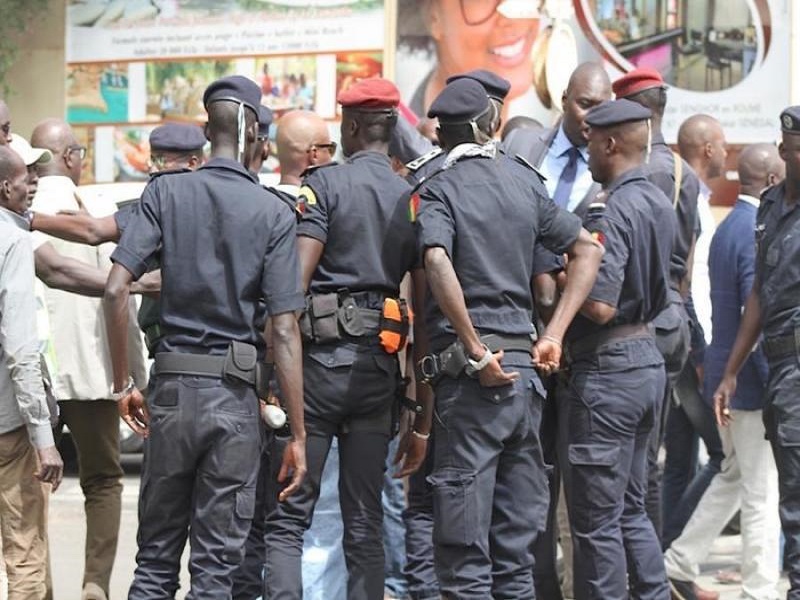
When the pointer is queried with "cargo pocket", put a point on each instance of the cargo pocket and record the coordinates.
(499, 394)
(598, 485)
(455, 507)
(244, 508)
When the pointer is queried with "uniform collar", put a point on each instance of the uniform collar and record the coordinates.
(751, 200)
(637, 173)
(369, 154)
(561, 145)
(230, 165)
(487, 150)
(774, 193)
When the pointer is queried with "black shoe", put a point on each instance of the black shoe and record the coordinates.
(682, 590)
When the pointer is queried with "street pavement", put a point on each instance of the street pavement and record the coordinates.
(67, 531)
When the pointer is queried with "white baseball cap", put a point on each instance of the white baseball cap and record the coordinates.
(30, 155)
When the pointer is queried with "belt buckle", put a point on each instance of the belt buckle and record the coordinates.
(428, 368)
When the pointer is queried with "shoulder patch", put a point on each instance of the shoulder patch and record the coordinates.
(413, 207)
(307, 196)
(313, 168)
(525, 162)
(425, 158)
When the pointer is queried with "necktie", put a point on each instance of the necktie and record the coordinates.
(567, 179)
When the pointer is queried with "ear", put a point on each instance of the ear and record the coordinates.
(435, 25)
(252, 132)
(194, 162)
(206, 131)
(564, 101)
(708, 150)
(610, 145)
(782, 151)
(68, 160)
(265, 150)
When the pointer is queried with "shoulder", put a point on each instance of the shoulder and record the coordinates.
(318, 169)
(521, 160)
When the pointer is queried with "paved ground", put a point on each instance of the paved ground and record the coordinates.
(67, 532)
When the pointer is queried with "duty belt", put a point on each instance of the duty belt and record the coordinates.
(239, 365)
(453, 360)
(782, 346)
(590, 343)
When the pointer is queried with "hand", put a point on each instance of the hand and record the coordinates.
(546, 355)
(294, 465)
(411, 452)
(722, 400)
(133, 410)
(493, 375)
(51, 467)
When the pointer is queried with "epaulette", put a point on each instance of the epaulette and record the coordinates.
(425, 158)
(524, 161)
(286, 198)
(169, 172)
(309, 170)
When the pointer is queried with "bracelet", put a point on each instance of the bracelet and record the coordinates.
(422, 436)
(477, 365)
(129, 387)
(556, 341)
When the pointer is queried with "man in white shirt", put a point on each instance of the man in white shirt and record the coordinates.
(83, 381)
(28, 455)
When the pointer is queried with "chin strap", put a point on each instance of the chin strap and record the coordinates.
(241, 132)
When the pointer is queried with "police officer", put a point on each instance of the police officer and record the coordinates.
(429, 158)
(679, 183)
(261, 147)
(355, 244)
(226, 244)
(489, 483)
(773, 310)
(616, 371)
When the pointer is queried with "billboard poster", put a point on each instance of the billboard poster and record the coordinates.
(729, 58)
(134, 64)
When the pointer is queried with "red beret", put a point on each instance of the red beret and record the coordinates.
(637, 81)
(370, 94)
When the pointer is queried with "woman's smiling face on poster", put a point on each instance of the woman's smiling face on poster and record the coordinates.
(478, 34)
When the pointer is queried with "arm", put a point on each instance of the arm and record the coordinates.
(288, 355)
(79, 227)
(449, 296)
(64, 273)
(310, 251)
(115, 306)
(19, 343)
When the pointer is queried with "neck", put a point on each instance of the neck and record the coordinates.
(226, 151)
(290, 179)
(750, 190)
(792, 191)
(379, 147)
(622, 166)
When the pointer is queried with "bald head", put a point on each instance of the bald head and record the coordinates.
(701, 143)
(57, 136)
(13, 181)
(299, 135)
(5, 124)
(588, 86)
(760, 166)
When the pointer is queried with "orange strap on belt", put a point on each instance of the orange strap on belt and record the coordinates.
(395, 321)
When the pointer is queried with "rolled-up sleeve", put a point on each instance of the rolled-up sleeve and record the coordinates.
(558, 229)
(608, 285)
(142, 234)
(281, 281)
(315, 204)
(18, 339)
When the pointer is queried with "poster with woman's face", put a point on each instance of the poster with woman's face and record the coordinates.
(716, 56)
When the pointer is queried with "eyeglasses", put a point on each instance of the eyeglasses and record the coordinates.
(81, 150)
(477, 12)
(330, 147)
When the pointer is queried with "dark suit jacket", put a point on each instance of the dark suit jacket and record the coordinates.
(532, 145)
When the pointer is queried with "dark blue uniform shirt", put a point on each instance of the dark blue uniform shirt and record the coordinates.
(660, 170)
(488, 214)
(356, 210)
(777, 266)
(226, 244)
(637, 229)
(731, 270)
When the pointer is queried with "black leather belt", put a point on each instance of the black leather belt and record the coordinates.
(590, 343)
(453, 360)
(200, 365)
(782, 346)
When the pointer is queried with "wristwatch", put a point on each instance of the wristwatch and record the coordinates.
(473, 366)
(129, 387)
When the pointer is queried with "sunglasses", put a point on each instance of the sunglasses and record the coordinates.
(330, 147)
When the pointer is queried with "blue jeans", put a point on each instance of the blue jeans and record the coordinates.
(394, 530)
(684, 483)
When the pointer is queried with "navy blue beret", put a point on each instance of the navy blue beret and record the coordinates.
(234, 88)
(790, 120)
(177, 137)
(264, 121)
(496, 87)
(462, 101)
(616, 112)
